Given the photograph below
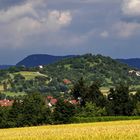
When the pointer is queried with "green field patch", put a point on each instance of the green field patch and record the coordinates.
(105, 90)
(67, 66)
(12, 94)
(1, 88)
(30, 75)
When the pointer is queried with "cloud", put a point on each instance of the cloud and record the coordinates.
(131, 7)
(126, 29)
(30, 18)
(57, 19)
(17, 12)
(104, 34)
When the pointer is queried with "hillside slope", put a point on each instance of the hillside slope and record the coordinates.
(93, 68)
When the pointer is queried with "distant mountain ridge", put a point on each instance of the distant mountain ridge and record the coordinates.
(41, 59)
(133, 62)
(5, 66)
(45, 59)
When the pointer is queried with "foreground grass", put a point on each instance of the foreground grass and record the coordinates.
(120, 130)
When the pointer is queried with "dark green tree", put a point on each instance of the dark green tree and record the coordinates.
(79, 91)
(94, 95)
(64, 110)
(119, 101)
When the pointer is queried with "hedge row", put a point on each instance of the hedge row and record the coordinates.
(102, 119)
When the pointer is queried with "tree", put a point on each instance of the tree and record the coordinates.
(119, 101)
(3, 117)
(91, 110)
(15, 116)
(94, 95)
(33, 107)
(79, 91)
(5, 86)
(64, 110)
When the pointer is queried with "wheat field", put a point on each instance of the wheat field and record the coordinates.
(120, 130)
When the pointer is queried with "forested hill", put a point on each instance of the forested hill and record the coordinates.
(40, 59)
(60, 76)
(92, 67)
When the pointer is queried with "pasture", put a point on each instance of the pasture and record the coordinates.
(119, 130)
(30, 75)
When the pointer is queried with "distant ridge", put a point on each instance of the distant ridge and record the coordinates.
(41, 59)
(5, 66)
(133, 62)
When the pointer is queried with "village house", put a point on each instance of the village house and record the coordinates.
(66, 81)
(6, 102)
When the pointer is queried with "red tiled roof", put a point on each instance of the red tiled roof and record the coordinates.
(53, 101)
(73, 102)
(6, 102)
(49, 97)
(66, 81)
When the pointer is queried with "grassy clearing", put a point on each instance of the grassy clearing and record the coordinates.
(30, 75)
(121, 130)
(12, 94)
(1, 88)
(105, 90)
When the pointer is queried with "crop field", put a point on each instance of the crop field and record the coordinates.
(119, 130)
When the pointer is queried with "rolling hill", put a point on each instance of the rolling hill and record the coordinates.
(61, 75)
(45, 59)
(92, 68)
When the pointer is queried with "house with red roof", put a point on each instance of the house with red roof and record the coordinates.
(66, 81)
(6, 102)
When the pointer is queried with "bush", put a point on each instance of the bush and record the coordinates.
(91, 110)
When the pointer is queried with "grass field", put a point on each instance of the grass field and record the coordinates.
(8, 93)
(30, 75)
(119, 130)
(1, 87)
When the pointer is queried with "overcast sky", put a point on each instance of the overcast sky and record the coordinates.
(61, 27)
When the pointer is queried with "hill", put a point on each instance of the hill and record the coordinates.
(133, 62)
(45, 59)
(93, 68)
(40, 59)
(60, 76)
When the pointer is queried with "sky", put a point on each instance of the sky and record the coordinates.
(64, 27)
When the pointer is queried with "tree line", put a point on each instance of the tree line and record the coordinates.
(33, 110)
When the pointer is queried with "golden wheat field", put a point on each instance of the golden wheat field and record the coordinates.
(120, 130)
